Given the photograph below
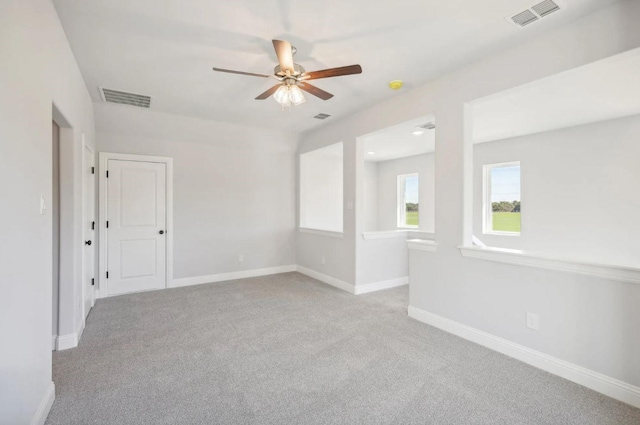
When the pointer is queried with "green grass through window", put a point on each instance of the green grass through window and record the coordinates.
(412, 218)
(506, 221)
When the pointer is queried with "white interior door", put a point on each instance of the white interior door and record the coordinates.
(136, 216)
(88, 230)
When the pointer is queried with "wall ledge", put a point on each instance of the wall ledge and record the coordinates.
(528, 259)
(422, 245)
(599, 382)
(329, 233)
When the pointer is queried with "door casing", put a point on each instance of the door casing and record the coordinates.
(88, 185)
(104, 157)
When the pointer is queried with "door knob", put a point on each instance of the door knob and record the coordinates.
(161, 232)
(87, 242)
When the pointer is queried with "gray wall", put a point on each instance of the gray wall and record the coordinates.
(579, 191)
(234, 187)
(591, 322)
(38, 70)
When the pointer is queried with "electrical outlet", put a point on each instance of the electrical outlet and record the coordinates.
(241, 258)
(43, 205)
(323, 260)
(533, 321)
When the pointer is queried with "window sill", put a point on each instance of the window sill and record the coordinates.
(501, 233)
(320, 232)
(523, 258)
(422, 245)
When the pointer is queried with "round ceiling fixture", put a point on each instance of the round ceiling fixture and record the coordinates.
(395, 84)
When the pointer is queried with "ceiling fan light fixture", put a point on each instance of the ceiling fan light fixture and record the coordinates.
(295, 95)
(417, 131)
(282, 95)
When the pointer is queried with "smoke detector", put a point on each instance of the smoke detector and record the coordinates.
(535, 13)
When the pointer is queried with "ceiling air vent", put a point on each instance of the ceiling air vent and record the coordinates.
(534, 13)
(545, 8)
(124, 98)
(322, 116)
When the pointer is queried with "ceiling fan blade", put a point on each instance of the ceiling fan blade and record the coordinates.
(230, 71)
(315, 91)
(269, 92)
(332, 72)
(285, 54)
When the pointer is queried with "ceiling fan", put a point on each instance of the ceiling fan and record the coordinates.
(293, 77)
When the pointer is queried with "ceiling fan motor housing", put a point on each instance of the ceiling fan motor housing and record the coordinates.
(297, 70)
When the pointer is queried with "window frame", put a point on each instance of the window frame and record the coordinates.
(401, 217)
(487, 208)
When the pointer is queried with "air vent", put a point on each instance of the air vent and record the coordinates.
(545, 8)
(124, 98)
(428, 126)
(322, 116)
(534, 13)
(524, 18)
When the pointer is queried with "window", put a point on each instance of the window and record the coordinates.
(408, 201)
(321, 191)
(501, 187)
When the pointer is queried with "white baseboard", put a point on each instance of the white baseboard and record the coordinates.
(596, 381)
(383, 284)
(80, 329)
(45, 406)
(64, 342)
(197, 280)
(327, 279)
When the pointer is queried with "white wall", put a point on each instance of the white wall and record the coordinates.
(38, 70)
(388, 172)
(370, 196)
(321, 182)
(489, 296)
(234, 186)
(579, 191)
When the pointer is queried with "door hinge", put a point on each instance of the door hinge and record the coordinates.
(107, 275)
(93, 225)
(107, 173)
(93, 281)
(107, 224)
(93, 170)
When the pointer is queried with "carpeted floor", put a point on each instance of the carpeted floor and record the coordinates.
(287, 349)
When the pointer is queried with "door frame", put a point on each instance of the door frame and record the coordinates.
(85, 186)
(104, 157)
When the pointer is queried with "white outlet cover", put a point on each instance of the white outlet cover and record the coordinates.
(533, 321)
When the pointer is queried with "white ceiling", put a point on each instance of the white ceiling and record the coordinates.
(599, 91)
(166, 49)
(399, 142)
